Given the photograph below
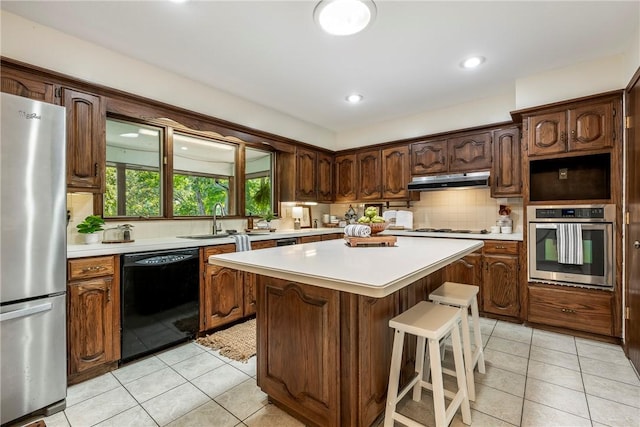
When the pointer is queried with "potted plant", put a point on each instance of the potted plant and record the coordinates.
(89, 227)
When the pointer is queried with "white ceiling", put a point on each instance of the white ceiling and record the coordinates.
(407, 62)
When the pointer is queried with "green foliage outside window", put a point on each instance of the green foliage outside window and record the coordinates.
(195, 195)
(258, 196)
(142, 193)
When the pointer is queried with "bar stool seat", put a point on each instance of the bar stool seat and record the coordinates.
(430, 323)
(465, 296)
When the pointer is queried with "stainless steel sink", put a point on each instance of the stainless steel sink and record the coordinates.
(205, 236)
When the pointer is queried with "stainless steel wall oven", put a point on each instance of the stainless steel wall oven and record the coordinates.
(572, 245)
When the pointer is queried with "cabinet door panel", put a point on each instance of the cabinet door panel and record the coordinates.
(301, 320)
(369, 178)
(345, 178)
(500, 285)
(223, 296)
(86, 143)
(467, 270)
(395, 172)
(22, 84)
(547, 134)
(470, 153)
(429, 157)
(306, 175)
(590, 127)
(506, 168)
(325, 178)
(90, 324)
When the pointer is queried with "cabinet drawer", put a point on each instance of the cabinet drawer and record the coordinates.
(573, 309)
(263, 244)
(216, 250)
(500, 247)
(83, 268)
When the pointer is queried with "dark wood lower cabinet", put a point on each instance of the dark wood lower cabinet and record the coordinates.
(501, 285)
(223, 296)
(324, 355)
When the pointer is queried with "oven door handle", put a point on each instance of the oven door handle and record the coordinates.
(547, 226)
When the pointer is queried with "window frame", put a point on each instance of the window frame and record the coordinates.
(168, 127)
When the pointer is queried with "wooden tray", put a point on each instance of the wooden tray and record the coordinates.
(371, 241)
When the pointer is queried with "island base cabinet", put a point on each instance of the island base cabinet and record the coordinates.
(298, 348)
(583, 310)
(324, 355)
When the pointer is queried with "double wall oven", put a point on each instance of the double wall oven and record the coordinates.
(572, 245)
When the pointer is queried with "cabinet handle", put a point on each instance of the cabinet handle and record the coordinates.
(563, 136)
(95, 167)
(501, 247)
(109, 293)
(94, 268)
(573, 135)
(568, 310)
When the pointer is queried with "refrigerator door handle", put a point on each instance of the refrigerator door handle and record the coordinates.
(24, 312)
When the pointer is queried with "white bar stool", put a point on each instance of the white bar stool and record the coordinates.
(430, 322)
(465, 297)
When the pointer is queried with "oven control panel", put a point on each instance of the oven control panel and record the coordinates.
(570, 213)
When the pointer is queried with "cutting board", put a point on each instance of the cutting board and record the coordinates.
(370, 241)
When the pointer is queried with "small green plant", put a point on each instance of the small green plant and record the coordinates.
(269, 216)
(91, 224)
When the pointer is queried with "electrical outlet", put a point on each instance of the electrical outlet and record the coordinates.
(563, 173)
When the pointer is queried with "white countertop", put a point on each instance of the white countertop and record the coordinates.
(487, 236)
(161, 243)
(369, 271)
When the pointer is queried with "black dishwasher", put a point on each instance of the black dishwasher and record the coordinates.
(159, 300)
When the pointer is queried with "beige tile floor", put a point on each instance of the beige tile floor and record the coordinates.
(533, 378)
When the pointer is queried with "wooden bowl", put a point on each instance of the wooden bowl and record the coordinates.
(377, 227)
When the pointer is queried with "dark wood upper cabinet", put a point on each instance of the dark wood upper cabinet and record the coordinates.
(345, 178)
(325, 177)
(395, 172)
(369, 175)
(466, 153)
(86, 143)
(306, 175)
(506, 170)
(22, 84)
(429, 157)
(586, 126)
(470, 153)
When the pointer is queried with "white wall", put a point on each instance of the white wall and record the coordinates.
(35, 44)
(476, 113)
(574, 81)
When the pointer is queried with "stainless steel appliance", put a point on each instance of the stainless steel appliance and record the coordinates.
(444, 182)
(596, 266)
(159, 300)
(32, 257)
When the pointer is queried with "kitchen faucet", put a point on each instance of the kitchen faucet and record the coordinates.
(215, 225)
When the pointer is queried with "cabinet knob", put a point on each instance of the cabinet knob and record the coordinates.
(568, 310)
(94, 268)
(636, 244)
(573, 135)
(501, 247)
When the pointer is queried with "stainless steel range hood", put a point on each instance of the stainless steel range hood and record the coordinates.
(445, 182)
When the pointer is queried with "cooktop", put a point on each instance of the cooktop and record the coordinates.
(449, 230)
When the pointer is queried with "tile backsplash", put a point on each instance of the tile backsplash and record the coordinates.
(472, 209)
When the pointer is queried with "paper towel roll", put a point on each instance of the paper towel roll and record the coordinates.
(404, 219)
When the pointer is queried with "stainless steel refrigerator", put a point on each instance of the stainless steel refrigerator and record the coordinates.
(32, 257)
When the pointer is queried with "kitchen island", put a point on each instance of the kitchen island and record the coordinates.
(324, 344)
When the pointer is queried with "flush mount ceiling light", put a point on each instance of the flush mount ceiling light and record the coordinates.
(354, 98)
(472, 62)
(344, 17)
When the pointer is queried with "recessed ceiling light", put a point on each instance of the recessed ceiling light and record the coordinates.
(344, 17)
(129, 135)
(354, 98)
(472, 62)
